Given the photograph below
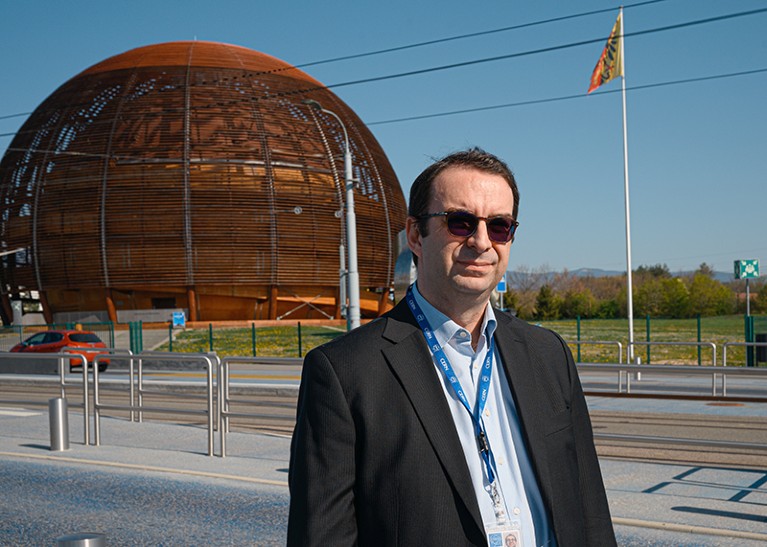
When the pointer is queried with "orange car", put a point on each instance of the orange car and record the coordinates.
(53, 341)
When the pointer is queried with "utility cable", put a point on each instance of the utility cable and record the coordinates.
(490, 107)
(564, 98)
(510, 55)
(470, 35)
(542, 50)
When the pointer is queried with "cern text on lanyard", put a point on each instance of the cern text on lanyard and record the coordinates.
(482, 394)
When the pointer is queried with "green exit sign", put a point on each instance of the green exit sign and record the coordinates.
(746, 269)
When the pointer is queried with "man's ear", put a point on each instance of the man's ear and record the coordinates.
(413, 236)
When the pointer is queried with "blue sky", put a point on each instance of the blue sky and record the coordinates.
(697, 151)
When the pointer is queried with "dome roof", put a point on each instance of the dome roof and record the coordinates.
(199, 55)
(193, 168)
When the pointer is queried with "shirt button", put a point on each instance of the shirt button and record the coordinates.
(487, 413)
(517, 511)
(462, 334)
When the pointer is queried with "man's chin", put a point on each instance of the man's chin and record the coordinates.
(477, 285)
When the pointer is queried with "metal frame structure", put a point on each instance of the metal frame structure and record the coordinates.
(192, 175)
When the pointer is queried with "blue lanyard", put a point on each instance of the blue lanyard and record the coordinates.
(484, 382)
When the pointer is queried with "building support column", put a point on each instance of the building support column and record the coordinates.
(7, 310)
(47, 313)
(383, 303)
(337, 311)
(111, 309)
(191, 297)
(273, 294)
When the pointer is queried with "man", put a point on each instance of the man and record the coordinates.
(445, 422)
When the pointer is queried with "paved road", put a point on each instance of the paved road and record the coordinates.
(153, 484)
(44, 500)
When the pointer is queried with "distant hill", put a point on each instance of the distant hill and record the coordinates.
(595, 272)
(724, 277)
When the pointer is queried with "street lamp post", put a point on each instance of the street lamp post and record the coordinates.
(353, 276)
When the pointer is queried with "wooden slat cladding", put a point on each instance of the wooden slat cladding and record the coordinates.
(191, 164)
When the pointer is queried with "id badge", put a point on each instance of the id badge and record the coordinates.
(504, 536)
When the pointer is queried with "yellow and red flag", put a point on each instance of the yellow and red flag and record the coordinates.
(610, 64)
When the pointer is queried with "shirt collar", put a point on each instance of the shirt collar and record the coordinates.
(443, 327)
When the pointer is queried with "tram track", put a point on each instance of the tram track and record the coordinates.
(682, 438)
(640, 436)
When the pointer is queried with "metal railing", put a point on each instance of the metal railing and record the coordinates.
(695, 344)
(62, 360)
(226, 400)
(219, 402)
(716, 373)
(740, 345)
(600, 343)
(210, 363)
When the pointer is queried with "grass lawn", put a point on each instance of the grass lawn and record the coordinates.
(730, 328)
(269, 341)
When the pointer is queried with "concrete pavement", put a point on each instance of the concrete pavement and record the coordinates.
(243, 499)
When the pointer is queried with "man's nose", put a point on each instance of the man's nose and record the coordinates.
(480, 240)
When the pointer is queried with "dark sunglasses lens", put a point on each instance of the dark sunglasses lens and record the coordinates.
(499, 229)
(462, 224)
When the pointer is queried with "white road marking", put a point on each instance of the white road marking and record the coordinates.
(4, 411)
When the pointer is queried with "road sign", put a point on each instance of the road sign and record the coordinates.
(501, 285)
(179, 319)
(746, 269)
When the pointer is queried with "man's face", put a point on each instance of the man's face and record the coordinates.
(454, 269)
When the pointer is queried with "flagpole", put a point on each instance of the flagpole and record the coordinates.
(630, 353)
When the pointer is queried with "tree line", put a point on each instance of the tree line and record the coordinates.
(536, 294)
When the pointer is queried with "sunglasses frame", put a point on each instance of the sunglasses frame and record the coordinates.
(446, 214)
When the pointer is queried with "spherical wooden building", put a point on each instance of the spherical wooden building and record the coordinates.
(192, 175)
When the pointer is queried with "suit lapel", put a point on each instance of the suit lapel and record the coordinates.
(529, 397)
(411, 361)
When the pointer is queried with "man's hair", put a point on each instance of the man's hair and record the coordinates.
(473, 158)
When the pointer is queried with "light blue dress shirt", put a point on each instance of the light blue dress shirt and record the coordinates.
(514, 471)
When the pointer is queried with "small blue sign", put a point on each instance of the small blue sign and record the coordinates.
(179, 319)
(501, 284)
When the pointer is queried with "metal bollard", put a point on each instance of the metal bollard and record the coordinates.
(59, 420)
(86, 539)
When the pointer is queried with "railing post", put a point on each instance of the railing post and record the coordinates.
(647, 328)
(698, 317)
(170, 337)
(210, 336)
(578, 335)
(253, 337)
(299, 339)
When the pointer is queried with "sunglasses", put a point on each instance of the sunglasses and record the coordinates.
(500, 229)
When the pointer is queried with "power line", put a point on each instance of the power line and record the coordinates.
(540, 50)
(470, 35)
(509, 56)
(479, 108)
(452, 38)
(563, 98)
(15, 115)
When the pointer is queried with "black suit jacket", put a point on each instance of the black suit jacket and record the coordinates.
(376, 459)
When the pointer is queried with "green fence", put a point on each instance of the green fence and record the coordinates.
(718, 330)
(755, 327)
(287, 341)
(294, 340)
